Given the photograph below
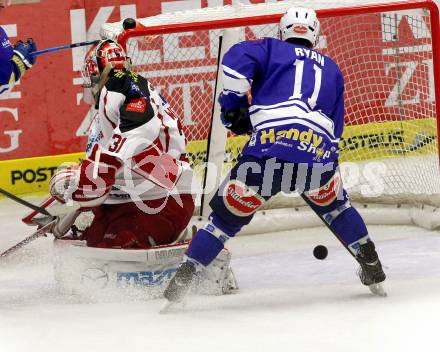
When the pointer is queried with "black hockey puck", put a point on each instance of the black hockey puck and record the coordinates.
(320, 252)
(129, 23)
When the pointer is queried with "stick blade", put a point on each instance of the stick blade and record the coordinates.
(39, 233)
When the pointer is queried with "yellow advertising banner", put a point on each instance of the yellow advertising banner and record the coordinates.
(388, 139)
(32, 175)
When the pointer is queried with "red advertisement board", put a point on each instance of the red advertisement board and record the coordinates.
(43, 113)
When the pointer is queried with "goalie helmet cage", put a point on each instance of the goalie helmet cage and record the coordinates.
(389, 56)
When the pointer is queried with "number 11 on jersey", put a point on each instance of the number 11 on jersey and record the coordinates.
(299, 74)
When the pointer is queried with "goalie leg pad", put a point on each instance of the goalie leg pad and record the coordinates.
(89, 271)
(218, 278)
(126, 226)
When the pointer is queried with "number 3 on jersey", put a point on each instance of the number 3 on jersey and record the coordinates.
(299, 74)
(118, 142)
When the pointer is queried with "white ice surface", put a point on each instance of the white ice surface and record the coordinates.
(288, 301)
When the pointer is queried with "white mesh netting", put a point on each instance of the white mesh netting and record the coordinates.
(390, 139)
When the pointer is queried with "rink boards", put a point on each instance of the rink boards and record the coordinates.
(32, 175)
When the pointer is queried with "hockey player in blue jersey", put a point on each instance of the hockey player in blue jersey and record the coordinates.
(290, 98)
(14, 61)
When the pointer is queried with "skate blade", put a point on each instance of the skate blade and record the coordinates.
(170, 307)
(378, 290)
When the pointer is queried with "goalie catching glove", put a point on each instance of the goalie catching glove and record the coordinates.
(88, 183)
(237, 120)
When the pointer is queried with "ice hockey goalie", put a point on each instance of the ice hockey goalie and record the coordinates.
(135, 179)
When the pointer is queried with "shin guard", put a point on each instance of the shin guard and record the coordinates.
(210, 240)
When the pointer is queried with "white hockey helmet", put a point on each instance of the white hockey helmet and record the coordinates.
(299, 22)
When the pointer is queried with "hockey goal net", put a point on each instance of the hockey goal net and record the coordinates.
(388, 54)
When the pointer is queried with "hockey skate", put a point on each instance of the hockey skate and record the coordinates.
(370, 271)
(179, 285)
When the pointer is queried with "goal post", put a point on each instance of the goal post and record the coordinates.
(389, 56)
(217, 137)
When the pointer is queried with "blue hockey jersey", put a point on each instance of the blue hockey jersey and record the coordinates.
(9, 72)
(297, 99)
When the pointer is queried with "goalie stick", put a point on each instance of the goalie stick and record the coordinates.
(39, 233)
(376, 289)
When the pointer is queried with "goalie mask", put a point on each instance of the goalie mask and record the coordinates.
(107, 57)
(299, 22)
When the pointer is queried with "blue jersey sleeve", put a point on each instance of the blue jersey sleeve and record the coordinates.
(9, 72)
(241, 64)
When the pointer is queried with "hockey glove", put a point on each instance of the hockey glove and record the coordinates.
(22, 54)
(237, 120)
(64, 183)
(78, 183)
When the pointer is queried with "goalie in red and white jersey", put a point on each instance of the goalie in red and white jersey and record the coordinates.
(136, 178)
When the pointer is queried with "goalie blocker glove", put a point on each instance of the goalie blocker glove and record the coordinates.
(89, 184)
(237, 120)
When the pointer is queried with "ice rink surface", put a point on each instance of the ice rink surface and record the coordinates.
(288, 301)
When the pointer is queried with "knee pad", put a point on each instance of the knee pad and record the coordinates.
(328, 197)
(236, 202)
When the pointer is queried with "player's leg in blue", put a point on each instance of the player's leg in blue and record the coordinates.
(331, 202)
(251, 182)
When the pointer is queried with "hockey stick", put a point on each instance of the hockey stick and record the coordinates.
(39, 233)
(376, 289)
(62, 47)
(128, 23)
(25, 203)
(310, 204)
